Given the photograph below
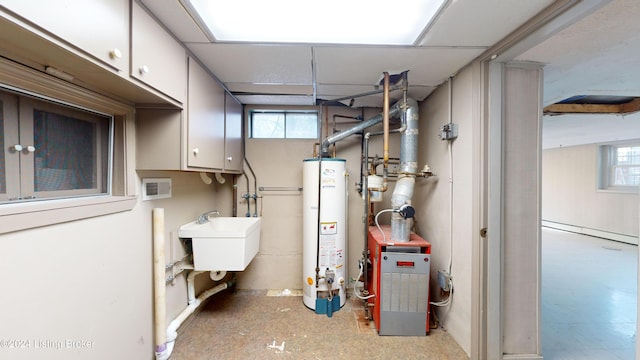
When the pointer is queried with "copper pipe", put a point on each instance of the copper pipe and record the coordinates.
(385, 119)
(385, 126)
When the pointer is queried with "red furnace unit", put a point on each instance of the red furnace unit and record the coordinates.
(399, 278)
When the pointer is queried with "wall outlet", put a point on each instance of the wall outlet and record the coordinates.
(444, 280)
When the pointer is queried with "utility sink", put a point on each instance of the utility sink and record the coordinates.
(223, 243)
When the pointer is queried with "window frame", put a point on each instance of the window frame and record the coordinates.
(284, 111)
(606, 167)
(27, 105)
(122, 193)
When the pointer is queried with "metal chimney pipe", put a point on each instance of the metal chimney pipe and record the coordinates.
(403, 191)
(394, 111)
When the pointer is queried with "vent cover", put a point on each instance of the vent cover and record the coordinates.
(153, 189)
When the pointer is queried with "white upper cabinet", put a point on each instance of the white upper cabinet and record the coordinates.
(98, 27)
(157, 59)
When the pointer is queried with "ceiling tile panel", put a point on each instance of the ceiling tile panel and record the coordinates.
(257, 64)
(276, 100)
(365, 65)
(330, 92)
(472, 22)
(270, 89)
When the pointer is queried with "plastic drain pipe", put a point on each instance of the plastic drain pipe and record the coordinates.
(194, 304)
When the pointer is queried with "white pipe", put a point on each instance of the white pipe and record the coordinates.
(194, 304)
(205, 178)
(219, 178)
(172, 330)
(160, 307)
(191, 286)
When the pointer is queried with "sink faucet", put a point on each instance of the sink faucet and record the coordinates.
(205, 217)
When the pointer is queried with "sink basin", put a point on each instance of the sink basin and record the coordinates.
(223, 243)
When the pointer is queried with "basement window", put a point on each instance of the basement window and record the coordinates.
(620, 167)
(55, 151)
(278, 124)
(67, 151)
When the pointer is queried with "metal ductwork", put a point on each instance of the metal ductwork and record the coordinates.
(394, 111)
(403, 191)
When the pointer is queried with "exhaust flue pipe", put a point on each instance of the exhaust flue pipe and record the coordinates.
(403, 191)
(394, 111)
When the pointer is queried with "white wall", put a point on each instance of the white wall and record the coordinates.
(92, 279)
(570, 193)
(432, 197)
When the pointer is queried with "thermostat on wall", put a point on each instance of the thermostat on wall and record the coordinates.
(153, 189)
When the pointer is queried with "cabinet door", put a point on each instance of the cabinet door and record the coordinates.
(233, 134)
(205, 134)
(99, 27)
(158, 139)
(157, 59)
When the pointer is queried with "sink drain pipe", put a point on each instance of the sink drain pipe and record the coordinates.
(165, 336)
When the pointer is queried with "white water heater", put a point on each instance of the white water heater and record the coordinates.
(324, 251)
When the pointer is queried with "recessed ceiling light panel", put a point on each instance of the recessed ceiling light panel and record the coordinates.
(373, 22)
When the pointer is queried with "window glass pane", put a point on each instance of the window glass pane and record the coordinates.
(628, 155)
(3, 178)
(626, 167)
(627, 175)
(302, 125)
(70, 153)
(267, 125)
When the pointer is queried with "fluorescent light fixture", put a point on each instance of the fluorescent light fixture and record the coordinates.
(372, 22)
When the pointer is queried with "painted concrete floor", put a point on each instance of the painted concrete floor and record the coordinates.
(589, 290)
(588, 312)
(252, 325)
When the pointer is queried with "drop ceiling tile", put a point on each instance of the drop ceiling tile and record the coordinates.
(364, 65)
(338, 90)
(474, 23)
(330, 92)
(276, 99)
(257, 64)
(257, 89)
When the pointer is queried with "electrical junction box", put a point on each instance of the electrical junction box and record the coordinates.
(444, 280)
(448, 131)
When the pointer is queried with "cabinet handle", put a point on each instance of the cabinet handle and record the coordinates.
(16, 148)
(31, 148)
(229, 158)
(144, 69)
(196, 151)
(115, 54)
